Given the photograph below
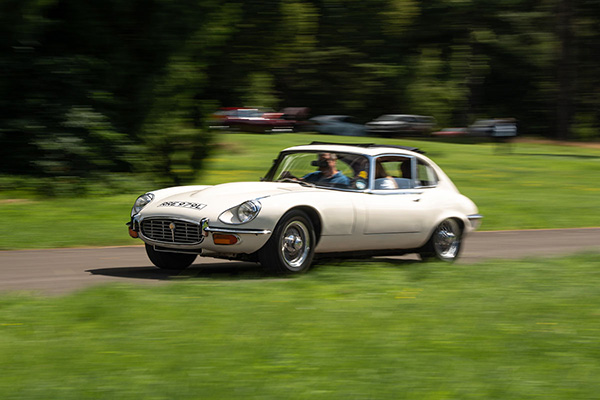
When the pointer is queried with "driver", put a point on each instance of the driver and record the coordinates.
(327, 173)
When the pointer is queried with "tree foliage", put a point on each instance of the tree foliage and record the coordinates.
(92, 88)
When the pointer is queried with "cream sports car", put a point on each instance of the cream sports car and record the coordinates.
(318, 199)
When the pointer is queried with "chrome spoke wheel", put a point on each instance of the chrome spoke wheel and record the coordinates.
(295, 244)
(447, 239)
(290, 249)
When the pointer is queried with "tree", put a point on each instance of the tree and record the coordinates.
(565, 69)
(85, 81)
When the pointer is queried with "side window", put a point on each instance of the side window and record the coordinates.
(426, 176)
(392, 173)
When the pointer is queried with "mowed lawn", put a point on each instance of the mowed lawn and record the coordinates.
(531, 187)
(377, 329)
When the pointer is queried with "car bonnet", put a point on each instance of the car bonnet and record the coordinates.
(215, 199)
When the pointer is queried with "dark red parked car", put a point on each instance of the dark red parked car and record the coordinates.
(259, 120)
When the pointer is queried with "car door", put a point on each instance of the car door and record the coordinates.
(396, 211)
(398, 217)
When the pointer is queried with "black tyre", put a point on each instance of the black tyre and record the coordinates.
(445, 243)
(172, 261)
(291, 248)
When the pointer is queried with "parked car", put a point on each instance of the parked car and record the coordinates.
(383, 200)
(219, 119)
(450, 132)
(344, 125)
(259, 121)
(299, 116)
(497, 128)
(390, 125)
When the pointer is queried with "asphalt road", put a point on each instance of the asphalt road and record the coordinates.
(61, 271)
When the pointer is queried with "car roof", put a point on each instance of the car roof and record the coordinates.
(405, 115)
(328, 117)
(370, 149)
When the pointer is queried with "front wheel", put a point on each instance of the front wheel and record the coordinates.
(291, 248)
(445, 242)
(167, 260)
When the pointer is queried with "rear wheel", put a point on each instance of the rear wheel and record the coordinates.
(445, 242)
(290, 249)
(167, 260)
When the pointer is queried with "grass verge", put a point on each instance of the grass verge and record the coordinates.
(354, 330)
(532, 187)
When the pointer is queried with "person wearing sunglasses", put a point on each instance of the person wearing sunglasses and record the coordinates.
(327, 173)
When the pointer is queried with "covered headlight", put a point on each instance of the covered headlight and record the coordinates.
(242, 213)
(141, 202)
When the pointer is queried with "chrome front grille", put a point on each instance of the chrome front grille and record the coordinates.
(172, 231)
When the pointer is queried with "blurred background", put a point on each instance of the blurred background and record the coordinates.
(106, 90)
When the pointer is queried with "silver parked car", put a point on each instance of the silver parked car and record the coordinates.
(390, 125)
(344, 125)
(494, 128)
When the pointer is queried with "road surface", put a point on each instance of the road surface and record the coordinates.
(60, 271)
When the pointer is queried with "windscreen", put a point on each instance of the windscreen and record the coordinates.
(324, 169)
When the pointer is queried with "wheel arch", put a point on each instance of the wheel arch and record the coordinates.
(461, 223)
(442, 218)
(456, 217)
(314, 216)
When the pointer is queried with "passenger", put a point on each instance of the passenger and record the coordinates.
(383, 180)
(405, 169)
(328, 172)
(406, 173)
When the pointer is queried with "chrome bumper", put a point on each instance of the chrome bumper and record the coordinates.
(475, 220)
(136, 221)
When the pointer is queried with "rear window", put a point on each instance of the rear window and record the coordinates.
(426, 175)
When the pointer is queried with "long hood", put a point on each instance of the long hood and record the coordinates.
(211, 200)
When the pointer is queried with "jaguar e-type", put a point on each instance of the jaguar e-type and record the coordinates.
(316, 200)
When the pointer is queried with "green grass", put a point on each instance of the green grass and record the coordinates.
(66, 222)
(536, 186)
(356, 330)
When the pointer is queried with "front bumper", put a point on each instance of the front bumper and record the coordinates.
(183, 234)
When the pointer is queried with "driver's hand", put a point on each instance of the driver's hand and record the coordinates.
(287, 175)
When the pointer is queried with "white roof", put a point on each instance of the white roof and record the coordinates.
(372, 150)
